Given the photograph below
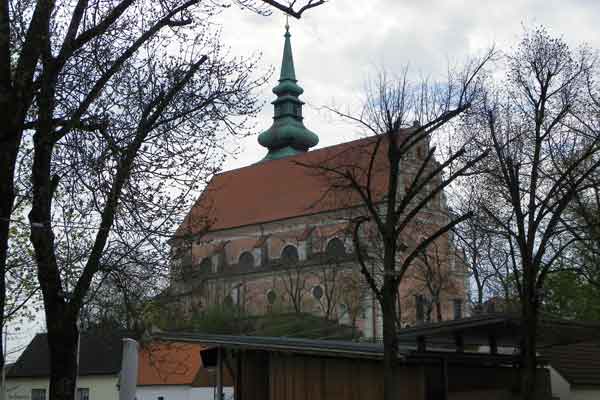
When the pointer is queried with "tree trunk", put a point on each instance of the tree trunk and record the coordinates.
(388, 307)
(390, 343)
(61, 310)
(9, 143)
(62, 341)
(528, 349)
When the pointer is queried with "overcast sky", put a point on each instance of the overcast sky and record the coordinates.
(336, 46)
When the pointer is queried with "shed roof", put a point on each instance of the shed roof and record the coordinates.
(294, 345)
(578, 363)
(99, 354)
(330, 348)
(504, 327)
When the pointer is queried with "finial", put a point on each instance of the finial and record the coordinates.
(287, 23)
(287, 136)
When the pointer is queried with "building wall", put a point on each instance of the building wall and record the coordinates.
(294, 377)
(584, 394)
(101, 387)
(179, 392)
(561, 389)
(249, 287)
(278, 376)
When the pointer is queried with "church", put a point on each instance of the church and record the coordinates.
(276, 236)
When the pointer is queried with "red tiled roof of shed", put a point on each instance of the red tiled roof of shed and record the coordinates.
(162, 363)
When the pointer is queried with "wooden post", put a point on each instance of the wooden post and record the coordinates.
(444, 379)
(219, 373)
(493, 344)
(421, 344)
(459, 342)
(238, 377)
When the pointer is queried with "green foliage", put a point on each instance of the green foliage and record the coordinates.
(228, 320)
(302, 326)
(570, 295)
(220, 319)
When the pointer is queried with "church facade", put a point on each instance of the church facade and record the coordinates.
(276, 236)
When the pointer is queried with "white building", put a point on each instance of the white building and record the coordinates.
(166, 371)
(99, 367)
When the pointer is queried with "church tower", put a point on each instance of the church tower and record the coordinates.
(287, 136)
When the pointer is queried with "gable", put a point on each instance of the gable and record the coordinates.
(99, 355)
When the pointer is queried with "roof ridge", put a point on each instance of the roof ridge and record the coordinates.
(317, 150)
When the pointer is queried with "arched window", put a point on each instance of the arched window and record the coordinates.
(246, 261)
(335, 249)
(289, 255)
(206, 266)
(228, 301)
(317, 292)
(271, 296)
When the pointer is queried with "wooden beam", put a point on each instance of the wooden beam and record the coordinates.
(421, 344)
(459, 342)
(493, 344)
(219, 373)
(444, 379)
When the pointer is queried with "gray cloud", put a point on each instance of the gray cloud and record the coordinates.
(336, 46)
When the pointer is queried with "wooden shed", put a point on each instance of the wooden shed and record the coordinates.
(274, 368)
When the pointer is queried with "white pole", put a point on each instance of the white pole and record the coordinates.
(129, 370)
(4, 366)
(78, 351)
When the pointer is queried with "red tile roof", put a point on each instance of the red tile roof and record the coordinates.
(169, 363)
(281, 189)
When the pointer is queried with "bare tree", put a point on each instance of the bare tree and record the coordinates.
(390, 202)
(294, 8)
(585, 213)
(330, 287)
(354, 291)
(482, 249)
(102, 192)
(541, 127)
(41, 43)
(293, 278)
(433, 275)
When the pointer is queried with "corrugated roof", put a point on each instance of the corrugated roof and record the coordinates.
(505, 327)
(99, 354)
(578, 363)
(328, 347)
(281, 189)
